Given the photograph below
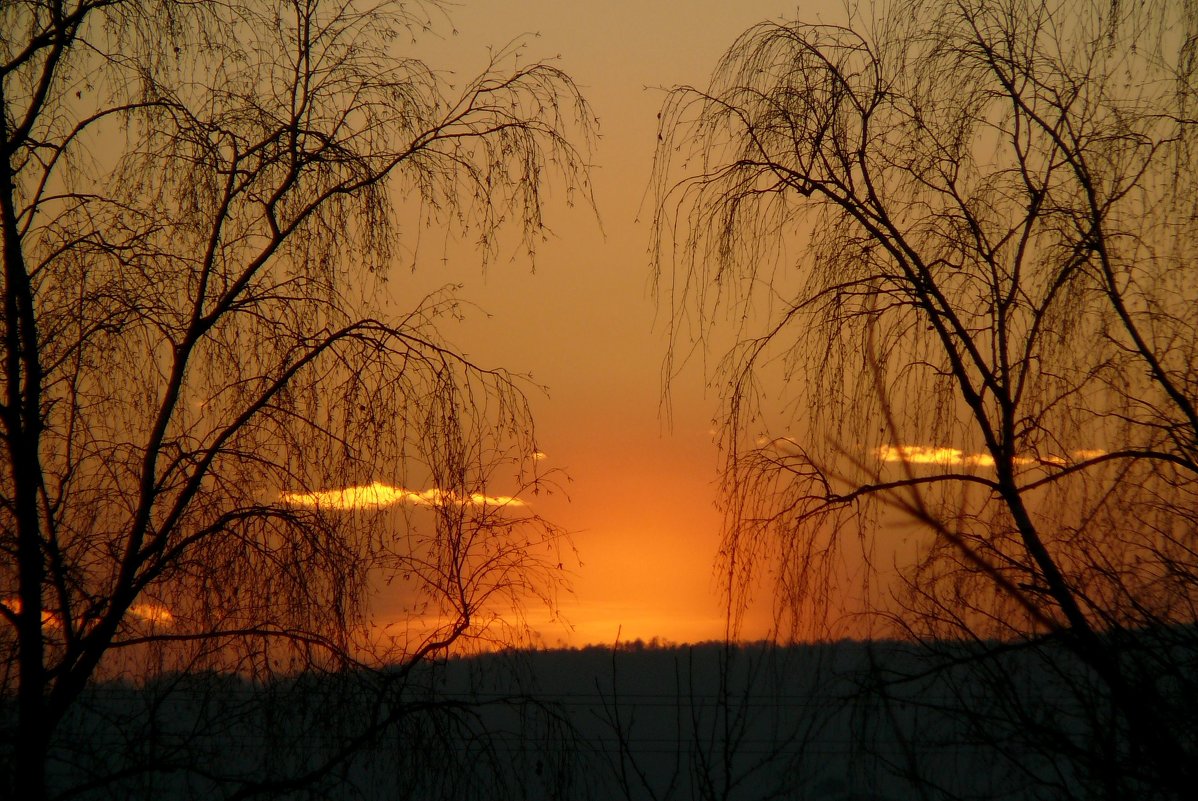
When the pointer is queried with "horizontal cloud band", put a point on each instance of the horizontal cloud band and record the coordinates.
(930, 454)
(378, 494)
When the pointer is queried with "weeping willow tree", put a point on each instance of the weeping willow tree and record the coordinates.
(957, 243)
(204, 396)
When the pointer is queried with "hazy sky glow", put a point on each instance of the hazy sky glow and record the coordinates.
(640, 494)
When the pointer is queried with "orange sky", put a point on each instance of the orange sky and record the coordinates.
(641, 494)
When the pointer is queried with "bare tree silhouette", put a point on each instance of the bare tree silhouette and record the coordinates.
(198, 202)
(959, 237)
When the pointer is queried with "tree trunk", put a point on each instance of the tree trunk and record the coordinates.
(22, 423)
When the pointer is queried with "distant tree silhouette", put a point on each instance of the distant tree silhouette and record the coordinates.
(958, 239)
(198, 202)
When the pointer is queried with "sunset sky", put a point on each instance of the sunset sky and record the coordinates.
(414, 392)
(642, 492)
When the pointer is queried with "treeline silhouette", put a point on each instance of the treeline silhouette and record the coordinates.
(641, 720)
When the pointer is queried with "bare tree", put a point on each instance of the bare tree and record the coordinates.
(198, 204)
(958, 238)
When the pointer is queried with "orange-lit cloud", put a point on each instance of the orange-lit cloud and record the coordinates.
(931, 454)
(938, 455)
(378, 494)
(50, 620)
(152, 612)
(955, 457)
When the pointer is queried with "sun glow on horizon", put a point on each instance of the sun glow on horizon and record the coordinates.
(378, 494)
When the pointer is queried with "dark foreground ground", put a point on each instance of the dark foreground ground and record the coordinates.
(822, 722)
